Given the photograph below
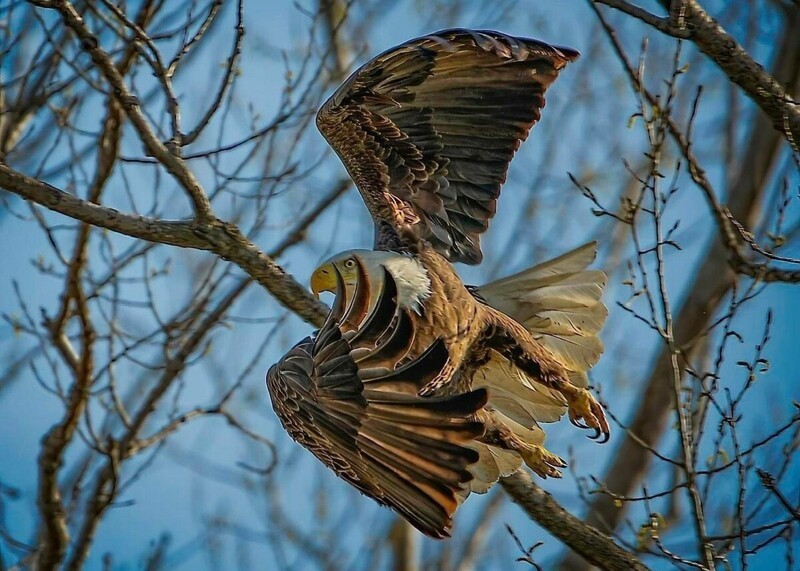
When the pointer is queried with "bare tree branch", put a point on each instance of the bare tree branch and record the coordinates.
(594, 546)
(222, 238)
(169, 157)
(227, 242)
(118, 363)
(697, 25)
(712, 282)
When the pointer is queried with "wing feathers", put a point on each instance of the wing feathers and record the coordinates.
(429, 120)
(367, 423)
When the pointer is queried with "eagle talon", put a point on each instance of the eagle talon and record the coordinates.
(585, 412)
(578, 423)
(542, 461)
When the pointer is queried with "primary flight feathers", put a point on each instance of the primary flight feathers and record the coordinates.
(345, 396)
(427, 130)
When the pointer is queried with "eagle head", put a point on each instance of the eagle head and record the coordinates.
(411, 277)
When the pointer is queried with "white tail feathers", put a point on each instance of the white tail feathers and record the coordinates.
(559, 303)
(494, 463)
(520, 404)
(516, 395)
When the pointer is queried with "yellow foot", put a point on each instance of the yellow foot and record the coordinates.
(586, 412)
(542, 461)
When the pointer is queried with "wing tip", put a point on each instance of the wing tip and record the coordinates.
(467, 253)
(446, 35)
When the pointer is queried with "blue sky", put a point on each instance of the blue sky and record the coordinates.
(177, 494)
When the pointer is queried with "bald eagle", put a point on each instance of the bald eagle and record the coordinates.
(419, 389)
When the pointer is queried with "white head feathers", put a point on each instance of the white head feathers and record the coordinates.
(413, 283)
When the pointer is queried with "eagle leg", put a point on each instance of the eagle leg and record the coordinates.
(512, 341)
(536, 457)
(441, 379)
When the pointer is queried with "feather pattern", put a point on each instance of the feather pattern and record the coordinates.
(559, 303)
(427, 130)
(342, 396)
(516, 395)
(494, 463)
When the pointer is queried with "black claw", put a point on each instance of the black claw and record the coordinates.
(606, 437)
(578, 423)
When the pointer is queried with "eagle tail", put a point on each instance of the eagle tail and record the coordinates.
(493, 463)
(558, 302)
(519, 403)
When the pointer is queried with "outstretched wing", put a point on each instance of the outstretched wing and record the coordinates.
(344, 395)
(428, 128)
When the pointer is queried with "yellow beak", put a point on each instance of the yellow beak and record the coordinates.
(323, 279)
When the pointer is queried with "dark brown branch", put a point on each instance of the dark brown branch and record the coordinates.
(227, 241)
(712, 282)
(334, 13)
(130, 103)
(227, 81)
(711, 38)
(104, 490)
(732, 233)
(55, 534)
(768, 481)
(592, 544)
(224, 239)
(661, 24)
